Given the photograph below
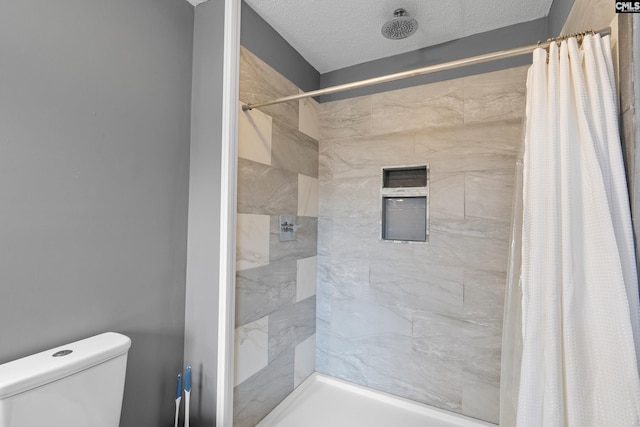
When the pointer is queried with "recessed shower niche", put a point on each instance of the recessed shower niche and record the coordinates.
(405, 204)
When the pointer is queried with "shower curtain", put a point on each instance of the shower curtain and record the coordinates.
(578, 281)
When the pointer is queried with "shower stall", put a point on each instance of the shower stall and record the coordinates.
(417, 319)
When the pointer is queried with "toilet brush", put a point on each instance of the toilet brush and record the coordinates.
(178, 398)
(187, 394)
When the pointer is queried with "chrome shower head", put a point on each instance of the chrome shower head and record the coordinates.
(400, 26)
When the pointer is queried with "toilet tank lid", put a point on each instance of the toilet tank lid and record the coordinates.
(41, 368)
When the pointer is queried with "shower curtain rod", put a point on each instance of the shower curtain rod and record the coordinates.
(502, 54)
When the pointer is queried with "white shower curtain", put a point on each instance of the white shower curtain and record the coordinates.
(580, 308)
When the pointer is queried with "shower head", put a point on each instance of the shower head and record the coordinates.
(400, 26)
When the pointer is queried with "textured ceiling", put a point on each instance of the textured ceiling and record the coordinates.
(333, 34)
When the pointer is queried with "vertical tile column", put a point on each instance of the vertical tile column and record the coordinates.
(275, 281)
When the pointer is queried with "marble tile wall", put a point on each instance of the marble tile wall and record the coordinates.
(423, 321)
(275, 281)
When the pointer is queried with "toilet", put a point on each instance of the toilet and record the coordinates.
(75, 385)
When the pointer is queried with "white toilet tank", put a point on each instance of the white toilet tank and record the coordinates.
(74, 385)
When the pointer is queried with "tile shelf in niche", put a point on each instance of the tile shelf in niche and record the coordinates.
(404, 177)
(405, 204)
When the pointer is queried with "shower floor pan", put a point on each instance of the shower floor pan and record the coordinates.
(322, 401)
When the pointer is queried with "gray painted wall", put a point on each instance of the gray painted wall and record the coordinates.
(201, 315)
(261, 39)
(265, 42)
(491, 41)
(94, 158)
(558, 16)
